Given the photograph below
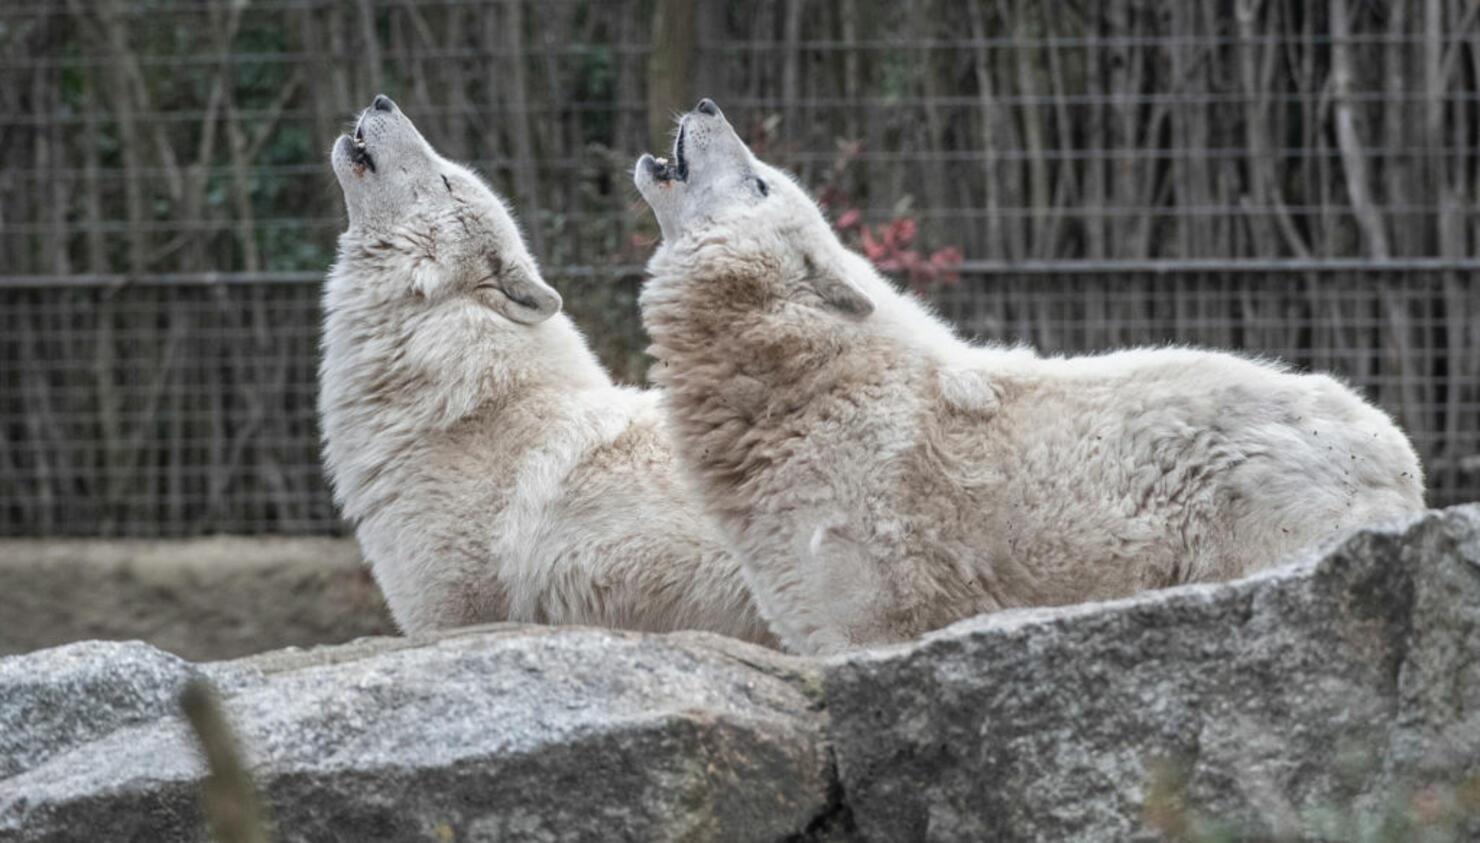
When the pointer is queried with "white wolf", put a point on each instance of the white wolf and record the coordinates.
(881, 478)
(489, 465)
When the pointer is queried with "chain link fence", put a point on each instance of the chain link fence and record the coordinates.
(1293, 179)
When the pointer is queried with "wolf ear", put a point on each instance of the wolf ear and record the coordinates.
(520, 294)
(837, 291)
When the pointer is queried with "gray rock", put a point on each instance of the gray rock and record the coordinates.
(1323, 700)
(55, 700)
(1337, 699)
(527, 734)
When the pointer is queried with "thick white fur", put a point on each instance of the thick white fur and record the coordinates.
(491, 468)
(881, 477)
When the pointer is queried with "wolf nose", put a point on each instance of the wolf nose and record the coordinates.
(707, 106)
(382, 103)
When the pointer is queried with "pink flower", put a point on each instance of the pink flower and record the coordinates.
(942, 261)
(873, 249)
(903, 229)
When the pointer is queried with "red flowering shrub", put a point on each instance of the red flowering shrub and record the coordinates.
(887, 246)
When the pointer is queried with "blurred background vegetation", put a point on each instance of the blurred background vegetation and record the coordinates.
(1294, 178)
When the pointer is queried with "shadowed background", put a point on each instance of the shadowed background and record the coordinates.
(1294, 179)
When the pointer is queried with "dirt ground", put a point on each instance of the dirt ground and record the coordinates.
(204, 599)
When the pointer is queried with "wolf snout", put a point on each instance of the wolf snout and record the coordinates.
(382, 103)
(707, 106)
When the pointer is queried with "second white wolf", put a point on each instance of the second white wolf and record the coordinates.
(881, 478)
(489, 465)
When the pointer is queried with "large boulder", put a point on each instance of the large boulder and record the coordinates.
(1335, 698)
(518, 733)
(1330, 699)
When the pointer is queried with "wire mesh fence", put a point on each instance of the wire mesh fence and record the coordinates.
(161, 409)
(1279, 176)
(176, 408)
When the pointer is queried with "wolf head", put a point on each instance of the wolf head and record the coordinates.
(434, 305)
(433, 231)
(714, 195)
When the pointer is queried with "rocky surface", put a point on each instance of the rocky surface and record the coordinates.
(503, 734)
(1337, 698)
(209, 598)
(1319, 701)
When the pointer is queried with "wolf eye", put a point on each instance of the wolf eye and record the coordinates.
(760, 184)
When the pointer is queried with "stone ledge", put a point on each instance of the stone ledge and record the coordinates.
(1309, 702)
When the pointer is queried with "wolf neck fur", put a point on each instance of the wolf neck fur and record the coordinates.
(376, 415)
(733, 367)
